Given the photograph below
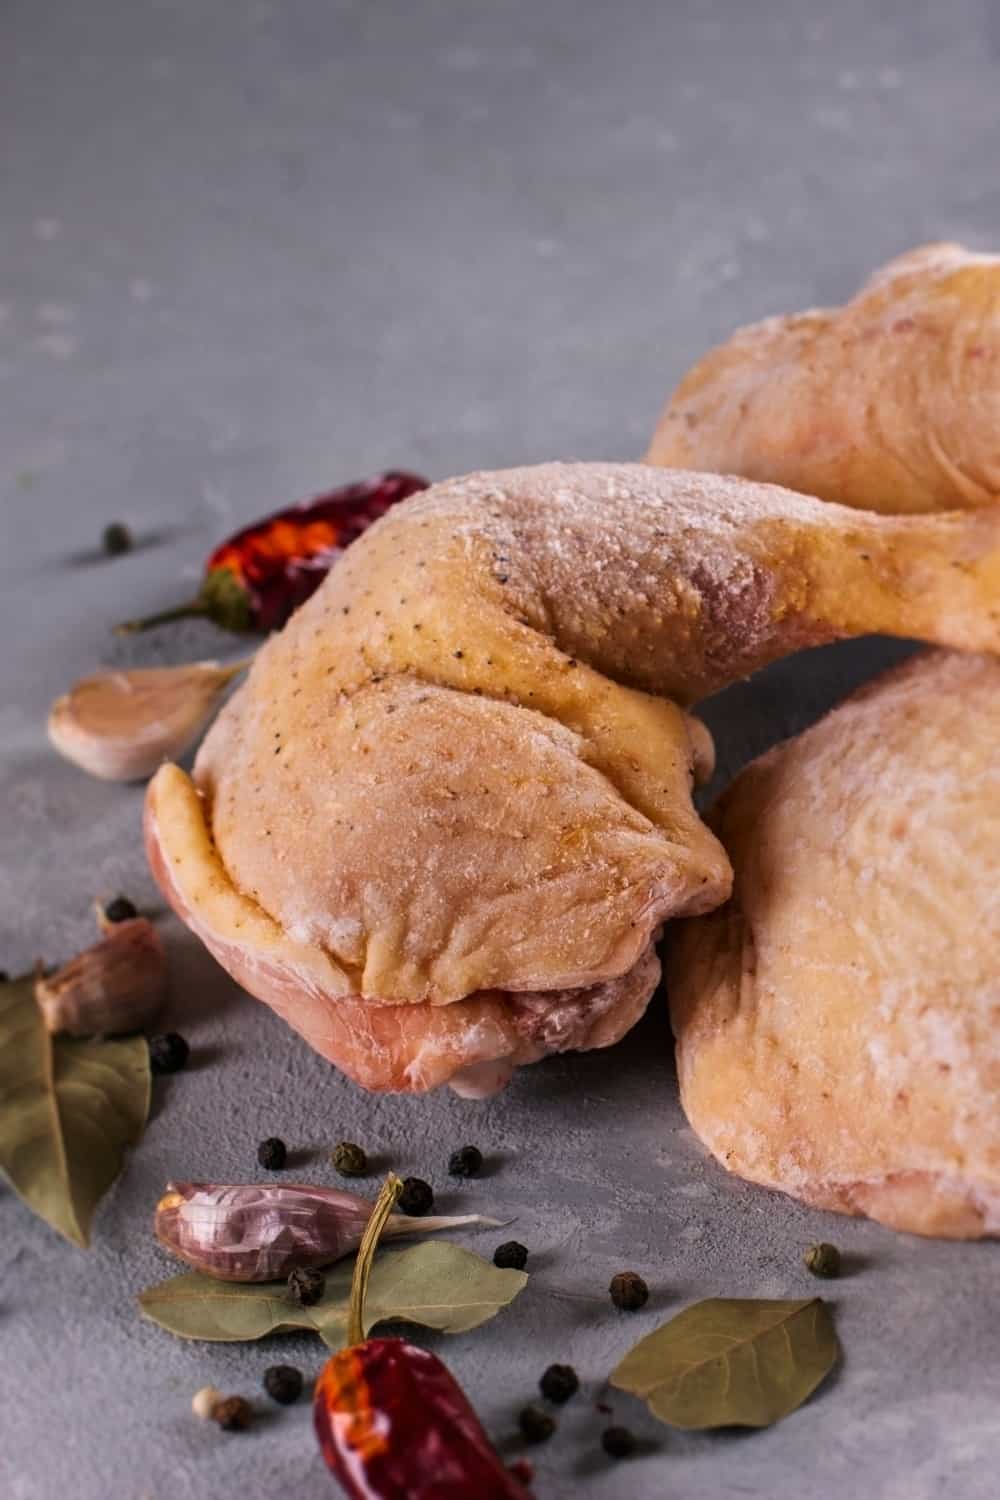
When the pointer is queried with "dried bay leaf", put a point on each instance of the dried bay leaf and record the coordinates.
(433, 1284)
(68, 1110)
(731, 1362)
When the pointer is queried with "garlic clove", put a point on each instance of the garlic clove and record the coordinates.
(120, 726)
(262, 1231)
(118, 985)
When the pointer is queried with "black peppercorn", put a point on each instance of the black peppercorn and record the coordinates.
(350, 1160)
(617, 1442)
(272, 1153)
(559, 1383)
(121, 909)
(416, 1198)
(4, 976)
(283, 1383)
(628, 1291)
(823, 1260)
(233, 1415)
(510, 1256)
(116, 539)
(306, 1286)
(536, 1425)
(168, 1053)
(467, 1162)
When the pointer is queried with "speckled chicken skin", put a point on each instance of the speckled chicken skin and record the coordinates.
(890, 403)
(441, 825)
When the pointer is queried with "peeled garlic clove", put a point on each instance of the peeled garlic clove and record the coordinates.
(120, 726)
(262, 1231)
(114, 987)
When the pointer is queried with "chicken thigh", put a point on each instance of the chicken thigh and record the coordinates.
(440, 826)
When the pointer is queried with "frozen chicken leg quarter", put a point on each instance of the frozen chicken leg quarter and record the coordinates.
(890, 403)
(837, 1020)
(440, 826)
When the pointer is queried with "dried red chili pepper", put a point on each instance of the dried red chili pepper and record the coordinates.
(258, 577)
(392, 1423)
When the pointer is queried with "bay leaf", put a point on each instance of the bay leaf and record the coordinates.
(68, 1110)
(434, 1284)
(731, 1362)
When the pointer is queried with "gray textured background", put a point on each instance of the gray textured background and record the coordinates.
(249, 249)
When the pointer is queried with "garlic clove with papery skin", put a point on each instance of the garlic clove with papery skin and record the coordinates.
(262, 1231)
(120, 726)
(116, 986)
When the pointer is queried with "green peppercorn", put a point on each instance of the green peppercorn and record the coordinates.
(350, 1160)
(234, 1414)
(823, 1260)
(617, 1442)
(168, 1053)
(510, 1256)
(272, 1153)
(628, 1291)
(306, 1286)
(283, 1383)
(466, 1162)
(416, 1198)
(121, 909)
(558, 1383)
(536, 1425)
(116, 539)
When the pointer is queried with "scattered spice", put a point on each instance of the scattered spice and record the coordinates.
(233, 1414)
(558, 1383)
(168, 1053)
(114, 987)
(258, 577)
(536, 1426)
(523, 1470)
(407, 1397)
(349, 1159)
(69, 1108)
(116, 539)
(466, 1162)
(433, 1284)
(262, 1231)
(204, 1402)
(306, 1286)
(755, 1360)
(272, 1153)
(283, 1383)
(628, 1291)
(510, 1256)
(617, 1442)
(121, 909)
(417, 1196)
(823, 1260)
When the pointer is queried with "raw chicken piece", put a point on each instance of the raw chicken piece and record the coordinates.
(442, 822)
(890, 403)
(838, 1021)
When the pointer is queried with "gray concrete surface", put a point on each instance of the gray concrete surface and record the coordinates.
(248, 249)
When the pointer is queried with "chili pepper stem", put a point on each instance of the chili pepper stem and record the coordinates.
(194, 608)
(384, 1205)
